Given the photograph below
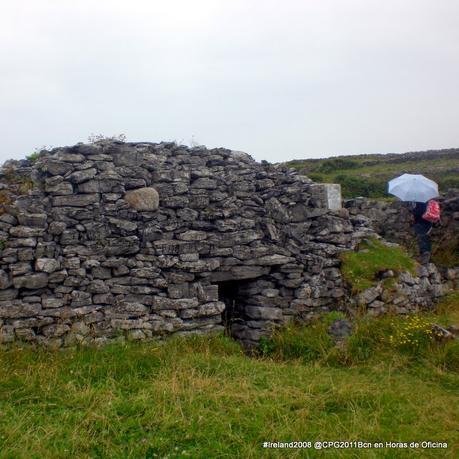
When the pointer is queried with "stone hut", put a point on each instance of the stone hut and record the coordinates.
(134, 240)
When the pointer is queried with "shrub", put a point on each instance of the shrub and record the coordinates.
(93, 138)
(5, 199)
(33, 157)
(36, 153)
(403, 338)
(358, 186)
(316, 177)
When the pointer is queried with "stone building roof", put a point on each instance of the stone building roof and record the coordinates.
(132, 240)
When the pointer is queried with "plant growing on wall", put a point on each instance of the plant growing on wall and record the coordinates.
(93, 138)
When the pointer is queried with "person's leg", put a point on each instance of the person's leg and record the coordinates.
(425, 246)
(424, 243)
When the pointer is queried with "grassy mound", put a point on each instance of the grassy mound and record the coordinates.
(203, 397)
(361, 268)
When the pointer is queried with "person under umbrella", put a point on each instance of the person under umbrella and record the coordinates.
(422, 229)
(418, 191)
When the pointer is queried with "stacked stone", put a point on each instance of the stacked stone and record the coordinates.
(134, 240)
(409, 293)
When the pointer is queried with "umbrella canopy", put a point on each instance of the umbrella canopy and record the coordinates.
(413, 187)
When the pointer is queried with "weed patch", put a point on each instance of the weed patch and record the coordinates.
(203, 397)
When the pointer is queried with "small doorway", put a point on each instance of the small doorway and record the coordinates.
(229, 293)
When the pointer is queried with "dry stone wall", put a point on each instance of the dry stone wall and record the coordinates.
(135, 240)
(392, 220)
(409, 293)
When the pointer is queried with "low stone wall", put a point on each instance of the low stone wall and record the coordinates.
(405, 293)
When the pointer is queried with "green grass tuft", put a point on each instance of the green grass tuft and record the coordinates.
(307, 342)
(33, 157)
(360, 268)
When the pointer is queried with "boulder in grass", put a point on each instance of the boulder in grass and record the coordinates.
(441, 333)
(339, 330)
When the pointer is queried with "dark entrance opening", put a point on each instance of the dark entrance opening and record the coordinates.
(244, 318)
(232, 294)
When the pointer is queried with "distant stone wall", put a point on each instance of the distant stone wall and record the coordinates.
(392, 220)
(135, 240)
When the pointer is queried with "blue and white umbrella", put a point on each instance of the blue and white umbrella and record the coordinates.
(413, 187)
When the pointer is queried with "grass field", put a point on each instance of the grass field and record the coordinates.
(367, 175)
(203, 397)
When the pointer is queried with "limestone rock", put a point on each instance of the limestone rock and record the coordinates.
(32, 220)
(143, 199)
(340, 329)
(76, 200)
(263, 313)
(52, 302)
(8, 294)
(5, 280)
(47, 265)
(82, 176)
(31, 281)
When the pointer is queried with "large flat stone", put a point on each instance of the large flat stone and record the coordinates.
(76, 200)
(238, 273)
(31, 281)
(263, 313)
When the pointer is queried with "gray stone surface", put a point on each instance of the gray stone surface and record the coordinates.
(143, 199)
(135, 240)
(340, 329)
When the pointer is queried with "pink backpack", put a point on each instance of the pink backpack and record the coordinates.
(432, 213)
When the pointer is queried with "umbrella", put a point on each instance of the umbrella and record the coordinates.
(413, 187)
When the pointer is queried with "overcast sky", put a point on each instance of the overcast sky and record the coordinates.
(277, 79)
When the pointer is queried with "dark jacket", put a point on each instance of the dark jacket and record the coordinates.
(420, 225)
(418, 210)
